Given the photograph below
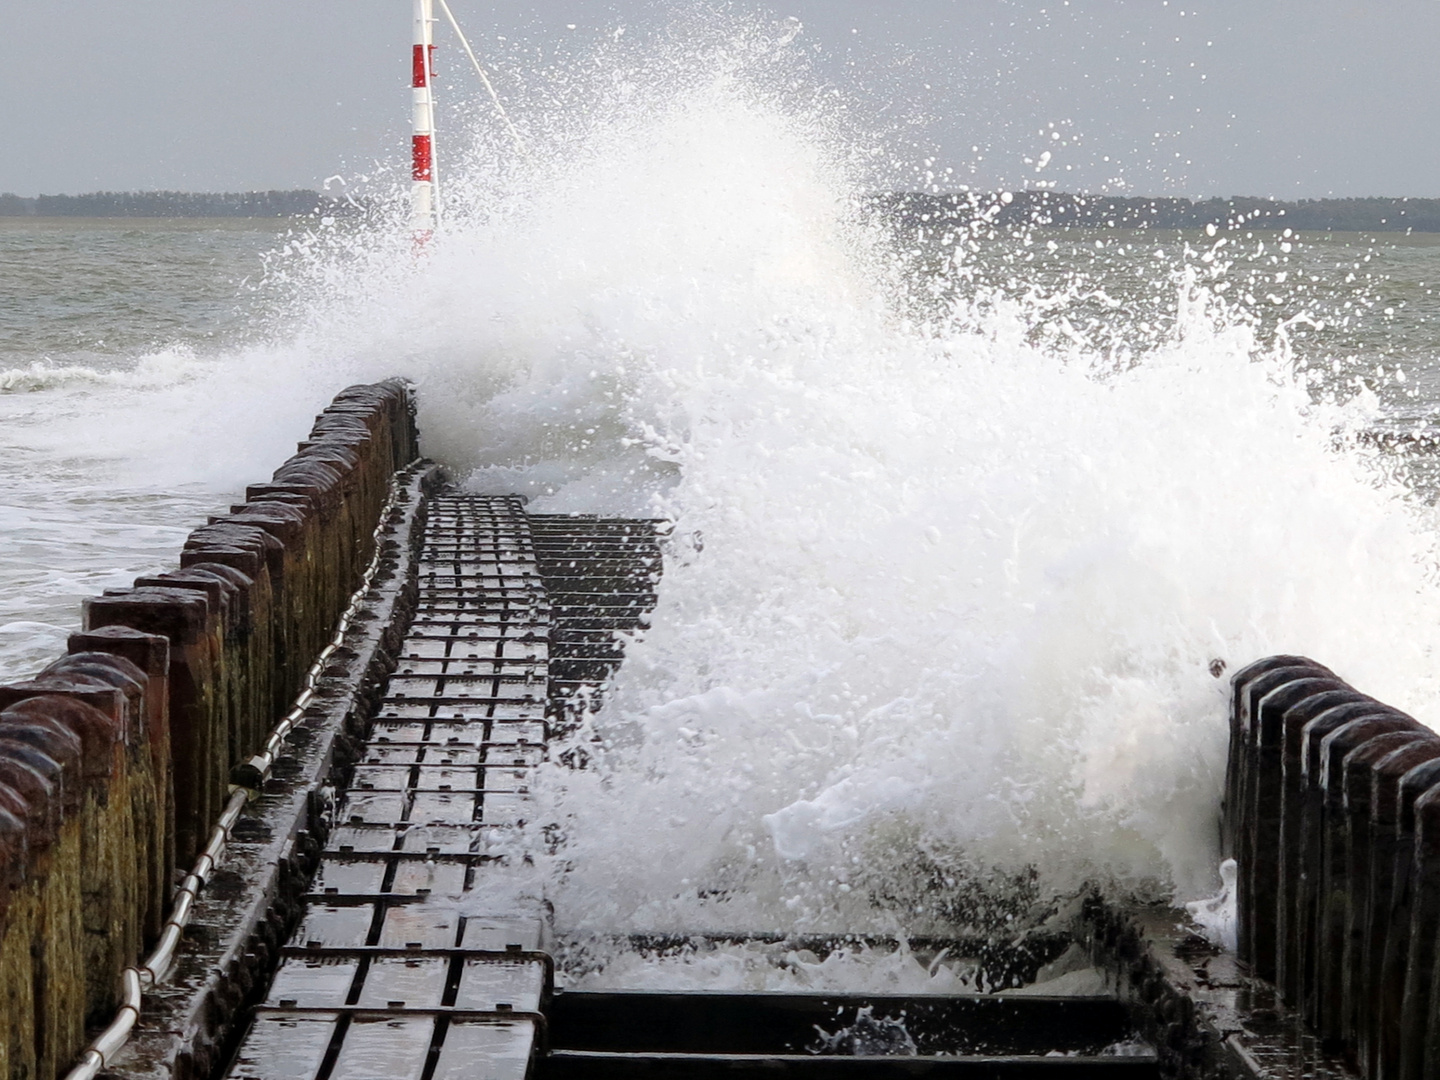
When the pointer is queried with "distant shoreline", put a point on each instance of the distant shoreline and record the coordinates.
(180, 204)
(919, 209)
(1061, 210)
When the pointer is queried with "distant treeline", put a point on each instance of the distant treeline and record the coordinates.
(907, 208)
(1053, 208)
(230, 204)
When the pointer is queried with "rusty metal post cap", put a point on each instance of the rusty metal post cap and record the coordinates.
(99, 734)
(38, 779)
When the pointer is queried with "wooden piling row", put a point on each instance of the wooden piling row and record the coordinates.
(115, 760)
(1332, 811)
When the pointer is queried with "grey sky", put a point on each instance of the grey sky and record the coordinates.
(1201, 97)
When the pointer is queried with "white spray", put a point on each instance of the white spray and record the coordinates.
(935, 634)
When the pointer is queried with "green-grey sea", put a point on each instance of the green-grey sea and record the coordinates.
(96, 313)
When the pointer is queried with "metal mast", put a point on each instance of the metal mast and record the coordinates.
(423, 201)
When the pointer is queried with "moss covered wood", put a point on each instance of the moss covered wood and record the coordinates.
(115, 760)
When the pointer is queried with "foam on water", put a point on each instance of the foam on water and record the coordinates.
(936, 630)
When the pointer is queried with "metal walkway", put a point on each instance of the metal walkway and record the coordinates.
(408, 964)
(419, 958)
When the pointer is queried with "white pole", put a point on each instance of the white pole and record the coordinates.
(423, 199)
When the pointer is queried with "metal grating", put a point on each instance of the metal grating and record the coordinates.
(601, 576)
(413, 960)
(418, 957)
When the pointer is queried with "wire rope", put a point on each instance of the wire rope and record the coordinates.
(489, 86)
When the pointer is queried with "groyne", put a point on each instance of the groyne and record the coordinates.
(1332, 811)
(116, 760)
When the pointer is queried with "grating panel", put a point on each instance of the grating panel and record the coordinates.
(401, 927)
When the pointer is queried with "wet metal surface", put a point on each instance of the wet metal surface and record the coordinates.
(419, 957)
(600, 579)
(410, 962)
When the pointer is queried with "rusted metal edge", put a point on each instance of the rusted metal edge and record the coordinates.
(1195, 1003)
(370, 1012)
(187, 1025)
(514, 955)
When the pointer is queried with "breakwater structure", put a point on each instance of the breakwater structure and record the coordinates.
(117, 799)
(261, 822)
(1332, 812)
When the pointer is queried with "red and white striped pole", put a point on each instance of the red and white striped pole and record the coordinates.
(423, 200)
